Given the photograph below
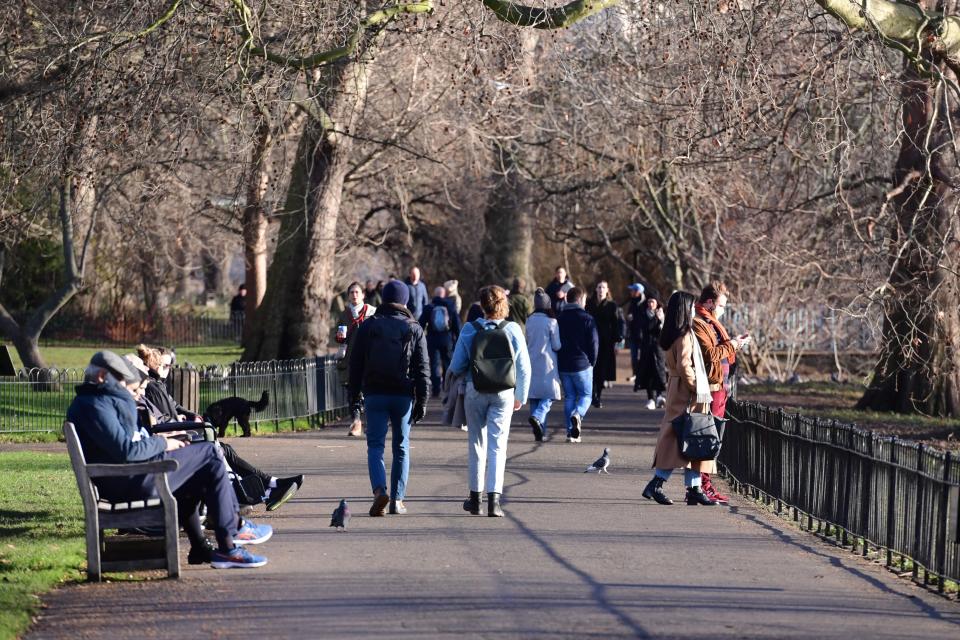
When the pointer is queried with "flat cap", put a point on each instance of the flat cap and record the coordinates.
(116, 365)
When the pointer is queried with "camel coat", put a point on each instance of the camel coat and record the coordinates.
(681, 393)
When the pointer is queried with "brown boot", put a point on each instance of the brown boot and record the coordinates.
(356, 429)
(380, 502)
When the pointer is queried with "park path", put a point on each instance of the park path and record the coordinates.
(577, 556)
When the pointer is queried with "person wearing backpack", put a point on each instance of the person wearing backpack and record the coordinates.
(442, 326)
(492, 352)
(389, 366)
(576, 358)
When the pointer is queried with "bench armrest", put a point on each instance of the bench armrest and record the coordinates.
(132, 469)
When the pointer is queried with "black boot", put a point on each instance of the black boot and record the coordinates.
(472, 504)
(493, 505)
(654, 491)
(696, 496)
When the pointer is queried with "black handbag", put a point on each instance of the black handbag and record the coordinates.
(697, 436)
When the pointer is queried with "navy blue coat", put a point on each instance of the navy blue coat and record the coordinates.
(578, 340)
(106, 419)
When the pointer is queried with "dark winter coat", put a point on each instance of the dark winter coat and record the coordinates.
(578, 340)
(390, 322)
(651, 362)
(106, 419)
(453, 332)
(635, 315)
(158, 395)
(609, 332)
(520, 309)
(556, 287)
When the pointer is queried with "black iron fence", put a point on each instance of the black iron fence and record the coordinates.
(132, 327)
(876, 494)
(309, 390)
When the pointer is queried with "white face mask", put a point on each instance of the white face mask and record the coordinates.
(719, 311)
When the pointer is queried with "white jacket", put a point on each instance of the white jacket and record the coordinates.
(543, 342)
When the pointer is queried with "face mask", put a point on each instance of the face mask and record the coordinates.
(719, 311)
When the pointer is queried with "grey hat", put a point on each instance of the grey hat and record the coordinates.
(116, 365)
(541, 301)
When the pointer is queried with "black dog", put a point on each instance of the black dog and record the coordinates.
(221, 412)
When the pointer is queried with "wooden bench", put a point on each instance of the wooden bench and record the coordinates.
(126, 553)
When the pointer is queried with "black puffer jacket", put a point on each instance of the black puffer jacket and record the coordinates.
(157, 394)
(389, 355)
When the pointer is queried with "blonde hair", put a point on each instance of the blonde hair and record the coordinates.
(493, 301)
(150, 356)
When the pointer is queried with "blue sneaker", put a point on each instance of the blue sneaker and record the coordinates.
(251, 533)
(238, 558)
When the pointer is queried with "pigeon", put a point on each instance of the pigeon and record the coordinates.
(341, 516)
(601, 464)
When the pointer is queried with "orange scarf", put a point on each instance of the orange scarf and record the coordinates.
(717, 327)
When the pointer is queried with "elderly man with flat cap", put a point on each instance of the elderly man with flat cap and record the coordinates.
(105, 414)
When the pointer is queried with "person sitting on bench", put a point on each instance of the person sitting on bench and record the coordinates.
(105, 415)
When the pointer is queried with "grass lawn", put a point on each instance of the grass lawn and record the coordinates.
(78, 357)
(41, 533)
(836, 402)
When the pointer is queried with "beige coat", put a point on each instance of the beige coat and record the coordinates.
(681, 393)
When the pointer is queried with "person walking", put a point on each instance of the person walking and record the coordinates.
(493, 354)
(418, 297)
(559, 288)
(442, 326)
(519, 303)
(687, 390)
(575, 360)
(543, 342)
(350, 319)
(651, 366)
(453, 293)
(389, 366)
(371, 294)
(609, 320)
(634, 314)
(720, 355)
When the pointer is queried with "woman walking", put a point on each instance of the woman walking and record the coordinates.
(687, 390)
(651, 367)
(351, 318)
(493, 354)
(609, 321)
(543, 342)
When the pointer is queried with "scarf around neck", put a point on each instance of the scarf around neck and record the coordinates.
(722, 335)
(703, 383)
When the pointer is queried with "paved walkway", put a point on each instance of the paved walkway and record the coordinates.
(577, 556)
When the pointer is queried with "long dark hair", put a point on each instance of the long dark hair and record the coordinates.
(678, 319)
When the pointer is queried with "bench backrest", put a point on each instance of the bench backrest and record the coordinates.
(87, 490)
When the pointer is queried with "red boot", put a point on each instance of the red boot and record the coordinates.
(710, 491)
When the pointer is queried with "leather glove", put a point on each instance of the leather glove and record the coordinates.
(419, 412)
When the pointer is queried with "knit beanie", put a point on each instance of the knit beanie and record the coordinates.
(395, 292)
(541, 301)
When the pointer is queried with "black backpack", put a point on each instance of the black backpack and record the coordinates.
(389, 354)
(491, 359)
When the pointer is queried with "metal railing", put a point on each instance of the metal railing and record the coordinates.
(808, 328)
(876, 494)
(308, 389)
(132, 327)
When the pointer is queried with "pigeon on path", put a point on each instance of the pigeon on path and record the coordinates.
(601, 464)
(341, 516)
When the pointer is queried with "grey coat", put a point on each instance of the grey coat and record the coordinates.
(543, 342)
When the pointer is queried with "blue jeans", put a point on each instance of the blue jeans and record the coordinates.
(488, 428)
(539, 408)
(381, 411)
(440, 351)
(577, 393)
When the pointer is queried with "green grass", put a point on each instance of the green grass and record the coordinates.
(78, 357)
(41, 533)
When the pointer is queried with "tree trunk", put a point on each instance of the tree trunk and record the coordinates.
(299, 280)
(508, 236)
(507, 246)
(919, 365)
(255, 227)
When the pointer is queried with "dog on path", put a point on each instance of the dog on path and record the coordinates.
(221, 412)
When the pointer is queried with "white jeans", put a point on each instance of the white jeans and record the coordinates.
(488, 427)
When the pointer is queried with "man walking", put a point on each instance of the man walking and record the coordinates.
(442, 325)
(389, 365)
(719, 354)
(579, 345)
(418, 297)
(635, 315)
